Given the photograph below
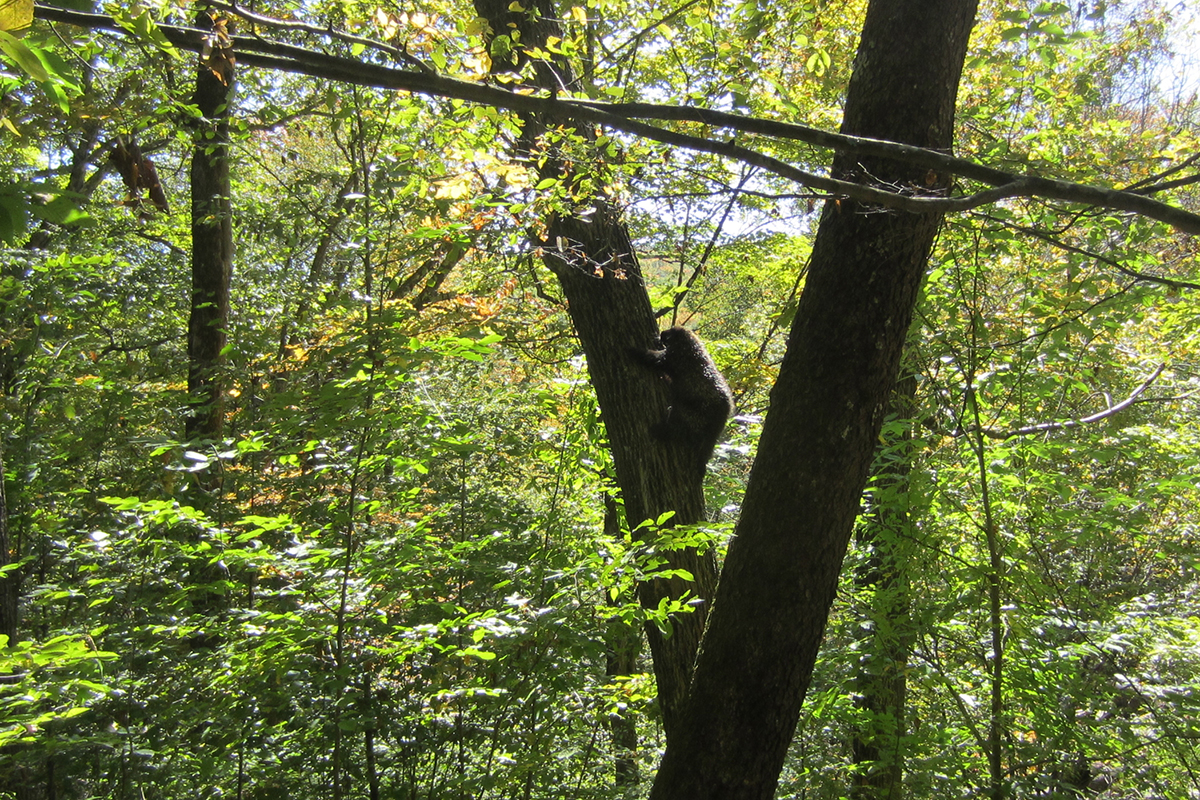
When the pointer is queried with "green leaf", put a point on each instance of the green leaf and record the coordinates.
(58, 69)
(23, 57)
(61, 210)
(145, 29)
(55, 93)
(1050, 9)
(122, 503)
(14, 214)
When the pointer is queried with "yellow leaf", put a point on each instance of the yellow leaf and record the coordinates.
(455, 188)
(16, 16)
(579, 14)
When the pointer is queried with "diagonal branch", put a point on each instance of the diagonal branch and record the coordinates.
(1117, 265)
(1045, 427)
(258, 52)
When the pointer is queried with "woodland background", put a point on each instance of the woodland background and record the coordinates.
(393, 561)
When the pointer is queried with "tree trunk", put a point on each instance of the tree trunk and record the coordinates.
(611, 312)
(624, 645)
(10, 580)
(598, 270)
(886, 632)
(212, 237)
(781, 573)
(369, 736)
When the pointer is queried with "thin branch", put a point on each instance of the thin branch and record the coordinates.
(1175, 184)
(113, 347)
(712, 242)
(1044, 427)
(636, 39)
(258, 52)
(1155, 182)
(1010, 184)
(174, 248)
(398, 53)
(308, 109)
(1118, 266)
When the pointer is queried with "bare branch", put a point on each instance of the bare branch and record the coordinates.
(1157, 183)
(711, 244)
(1045, 427)
(174, 248)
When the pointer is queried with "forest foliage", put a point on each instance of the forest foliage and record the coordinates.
(402, 570)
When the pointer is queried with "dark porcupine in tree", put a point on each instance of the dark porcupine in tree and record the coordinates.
(700, 399)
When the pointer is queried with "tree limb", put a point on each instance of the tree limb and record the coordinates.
(1044, 427)
(258, 52)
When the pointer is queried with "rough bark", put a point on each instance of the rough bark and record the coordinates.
(597, 268)
(212, 237)
(602, 281)
(781, 573)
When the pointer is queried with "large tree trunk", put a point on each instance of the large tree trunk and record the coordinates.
(598, 270)
(781, 573)
(611, 311)
(212, 237)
